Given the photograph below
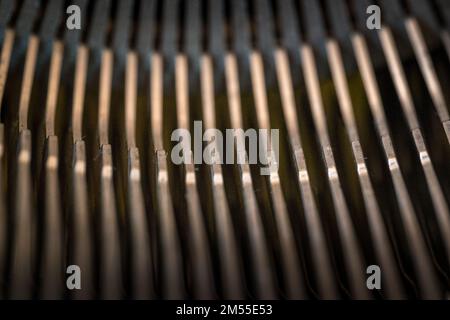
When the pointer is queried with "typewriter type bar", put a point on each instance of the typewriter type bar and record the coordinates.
(103, 170)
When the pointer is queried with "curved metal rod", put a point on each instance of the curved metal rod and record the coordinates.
(170, 249)
(429, 72)
(23, 256)
(383, 247)
(290, 258)
(319, 249)
(416, 243)
(52, 285)
(232, 279)
(111, 286)
(199, 248)
(407, 104)
(5, 57)
(352, 252)
(82, 241)
(262, 268)
(27, 81)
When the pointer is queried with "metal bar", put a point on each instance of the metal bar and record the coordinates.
(22, 261)
(3, 216)
(131, 99)
(199, 250)
(81, 234)
(106, 72)
(52, 284)
(53, 87)
(262, 269)
(5, 58)
(319, 250)
(383, 247)
(110, 250)
(421, 258)
(82, 253)
(352, 255)
(294, 282)
(407, 104)
(79, 93)
(231, 277)
(171, 263)
(141, 258)
(110, 247)
(27, 81)
(156, 89)
(52, 261)
(429, 72)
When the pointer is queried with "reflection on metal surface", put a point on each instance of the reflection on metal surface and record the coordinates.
(358, 177)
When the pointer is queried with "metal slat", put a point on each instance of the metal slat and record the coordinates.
(172, 274)
(407, 104)
(110, 250)
(383, 248)
(231, 278)
(106, 72)
(172, 231)
(141, 265)
(141, 259)
(261, 265)
(7, 47)
(319, 249)
(5, 58)
(353, 259)
(423, 11)
(421, 259)
(52, 284)
(429, 72)
(3, 215)
(24, 221)
(110, 247)
(82, 251)
(340, 26)
(199, 249)
(27, 81)
(23, 255)
(53, 88)
(79, 93)
(294, 284)
(52, 252)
